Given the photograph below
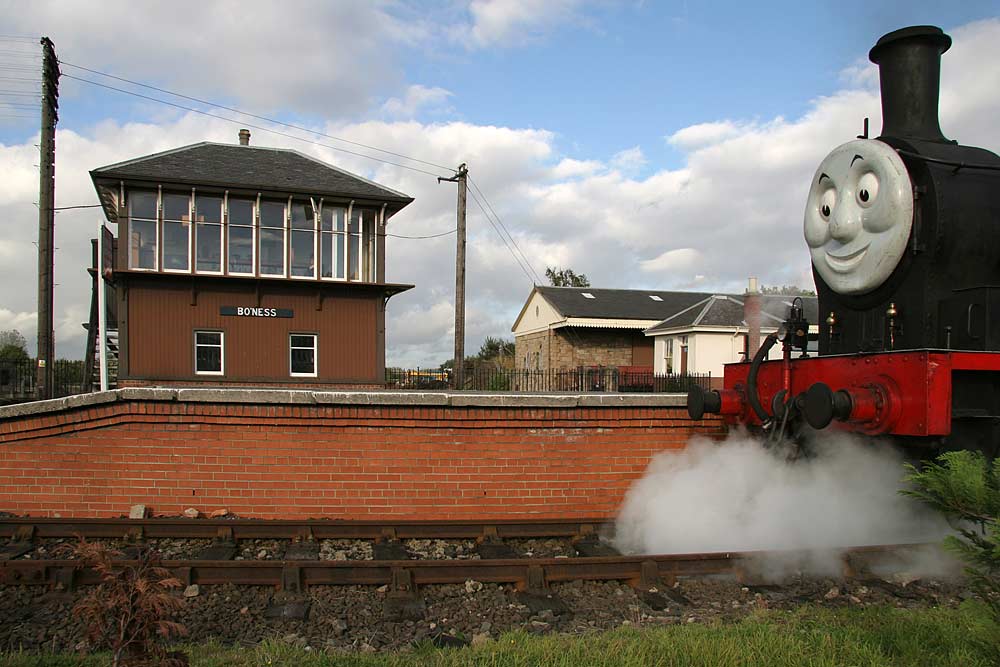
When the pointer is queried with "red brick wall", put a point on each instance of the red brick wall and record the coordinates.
(339, 461)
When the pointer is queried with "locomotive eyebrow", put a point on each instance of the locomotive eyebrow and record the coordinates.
(856, 157)
(821, 177)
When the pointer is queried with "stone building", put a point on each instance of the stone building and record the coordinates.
(563, 328)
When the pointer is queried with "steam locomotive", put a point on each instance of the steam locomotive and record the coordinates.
(904, 235)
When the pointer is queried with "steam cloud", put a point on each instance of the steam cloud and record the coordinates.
(738, 496)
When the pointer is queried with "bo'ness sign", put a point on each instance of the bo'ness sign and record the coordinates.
(246, 311)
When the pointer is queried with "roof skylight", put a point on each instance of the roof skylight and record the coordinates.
(588, 295)
(655, 297)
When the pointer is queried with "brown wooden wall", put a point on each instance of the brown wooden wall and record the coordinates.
(642, 350)
(162, 316)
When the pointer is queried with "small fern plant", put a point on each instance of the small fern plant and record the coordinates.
(130, 613)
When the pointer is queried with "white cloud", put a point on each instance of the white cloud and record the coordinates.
(734, 209)
(703, 134)
(630, 159)
(507, 22)
(247, 52)
(678, 260)
(570, 168)
(415, 99)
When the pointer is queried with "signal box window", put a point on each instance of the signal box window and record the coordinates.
(333, 242)
(208, 233)
(272, 238)
(208, 352)
(241, 236)
(303, 240)
(176, 232)
(302, 355)
(142, 236)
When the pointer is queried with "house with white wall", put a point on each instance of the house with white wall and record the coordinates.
(712, 332)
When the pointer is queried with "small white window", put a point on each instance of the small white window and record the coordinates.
(588, 295)
(654, 297)
(302, 355)
(208, 352)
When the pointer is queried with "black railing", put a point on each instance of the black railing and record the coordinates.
(571, 380)
(17, 379)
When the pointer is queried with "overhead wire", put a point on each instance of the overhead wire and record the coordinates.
(258, 117)
(537, 278)
(507, 245)
(256, 127)
(67, 208)
(428, 236)
(522, 261)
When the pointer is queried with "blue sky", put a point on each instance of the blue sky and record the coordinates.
(647, 144)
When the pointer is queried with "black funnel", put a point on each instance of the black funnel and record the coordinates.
(909, 64)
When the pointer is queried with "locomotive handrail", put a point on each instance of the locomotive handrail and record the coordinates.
(950, 163)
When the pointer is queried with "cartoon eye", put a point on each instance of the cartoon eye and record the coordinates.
(827, 202)
(867, 190)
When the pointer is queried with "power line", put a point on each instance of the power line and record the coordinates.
(538, 279)
(497, 230)
(66, 208)
(522, 261)
(429, 236)
(264, 118)
(256, 127)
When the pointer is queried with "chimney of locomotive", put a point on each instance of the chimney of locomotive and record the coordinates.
(909, 63)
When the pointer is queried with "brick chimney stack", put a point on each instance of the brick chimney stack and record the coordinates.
(244, 137)
(751, 315)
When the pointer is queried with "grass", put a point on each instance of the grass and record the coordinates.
(809, 636)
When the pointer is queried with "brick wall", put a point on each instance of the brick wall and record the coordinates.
(325, 455)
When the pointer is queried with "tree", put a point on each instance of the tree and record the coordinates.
(965, 487)
(565, 278)
(786, 290)
(13, 346)
(493, 348)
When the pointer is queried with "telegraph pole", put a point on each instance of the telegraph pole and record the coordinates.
(458, 371)
(46, 218)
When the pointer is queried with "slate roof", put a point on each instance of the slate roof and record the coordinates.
(621, 304)
(725, 310)
(250, 167)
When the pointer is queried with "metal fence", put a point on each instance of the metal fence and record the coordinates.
(605, 379)
(17, 379)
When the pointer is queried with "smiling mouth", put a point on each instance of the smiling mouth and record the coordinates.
(846, 263)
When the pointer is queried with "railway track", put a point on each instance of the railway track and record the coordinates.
(299, 567)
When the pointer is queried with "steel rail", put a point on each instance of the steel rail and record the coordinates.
(241, 529)
(525, 573)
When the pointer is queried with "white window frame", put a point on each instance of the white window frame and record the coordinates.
(315, 233)
(333, 234)
(284, 238)
(222, 352)
(315, 349)
(223, 238)
(163, 221)
(156, 227)
(227, 223)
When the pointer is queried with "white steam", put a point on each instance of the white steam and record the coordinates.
(739, 496)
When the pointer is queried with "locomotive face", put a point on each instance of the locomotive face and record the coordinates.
(858, 215)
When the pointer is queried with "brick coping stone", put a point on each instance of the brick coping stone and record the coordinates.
(305, 397)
